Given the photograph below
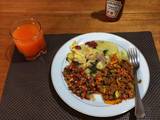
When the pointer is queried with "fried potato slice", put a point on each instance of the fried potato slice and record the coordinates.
(113, 101)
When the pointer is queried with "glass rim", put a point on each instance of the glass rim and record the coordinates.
(21, 22)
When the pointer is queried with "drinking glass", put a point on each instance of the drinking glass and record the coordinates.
(28, 37)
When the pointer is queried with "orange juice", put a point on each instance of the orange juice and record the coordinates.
(29, 39)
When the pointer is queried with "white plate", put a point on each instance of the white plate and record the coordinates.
(95, 108)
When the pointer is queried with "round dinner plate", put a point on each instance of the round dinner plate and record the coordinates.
(95, 107)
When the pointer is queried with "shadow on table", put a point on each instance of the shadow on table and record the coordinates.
(100, 15)
(80, 115)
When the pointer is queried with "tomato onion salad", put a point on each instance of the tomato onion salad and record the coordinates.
(99, 67)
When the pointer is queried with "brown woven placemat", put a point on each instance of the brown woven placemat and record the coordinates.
(29, 93)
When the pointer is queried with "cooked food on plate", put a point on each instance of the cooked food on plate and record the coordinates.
(99, 67)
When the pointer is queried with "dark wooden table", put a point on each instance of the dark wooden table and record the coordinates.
(75, 16)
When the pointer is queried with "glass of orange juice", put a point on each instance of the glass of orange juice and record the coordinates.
(28, 38)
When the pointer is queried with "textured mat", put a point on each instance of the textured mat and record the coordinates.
(29, 94)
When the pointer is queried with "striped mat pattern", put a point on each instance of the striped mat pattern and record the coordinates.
(29, 94)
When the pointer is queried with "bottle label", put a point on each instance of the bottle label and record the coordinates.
(113, 8)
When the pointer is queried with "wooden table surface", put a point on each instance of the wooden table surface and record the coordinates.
(75, 16)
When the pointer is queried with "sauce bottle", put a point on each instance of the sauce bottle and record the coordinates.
(113, 9)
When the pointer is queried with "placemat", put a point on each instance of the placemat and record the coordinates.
(29, 93)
